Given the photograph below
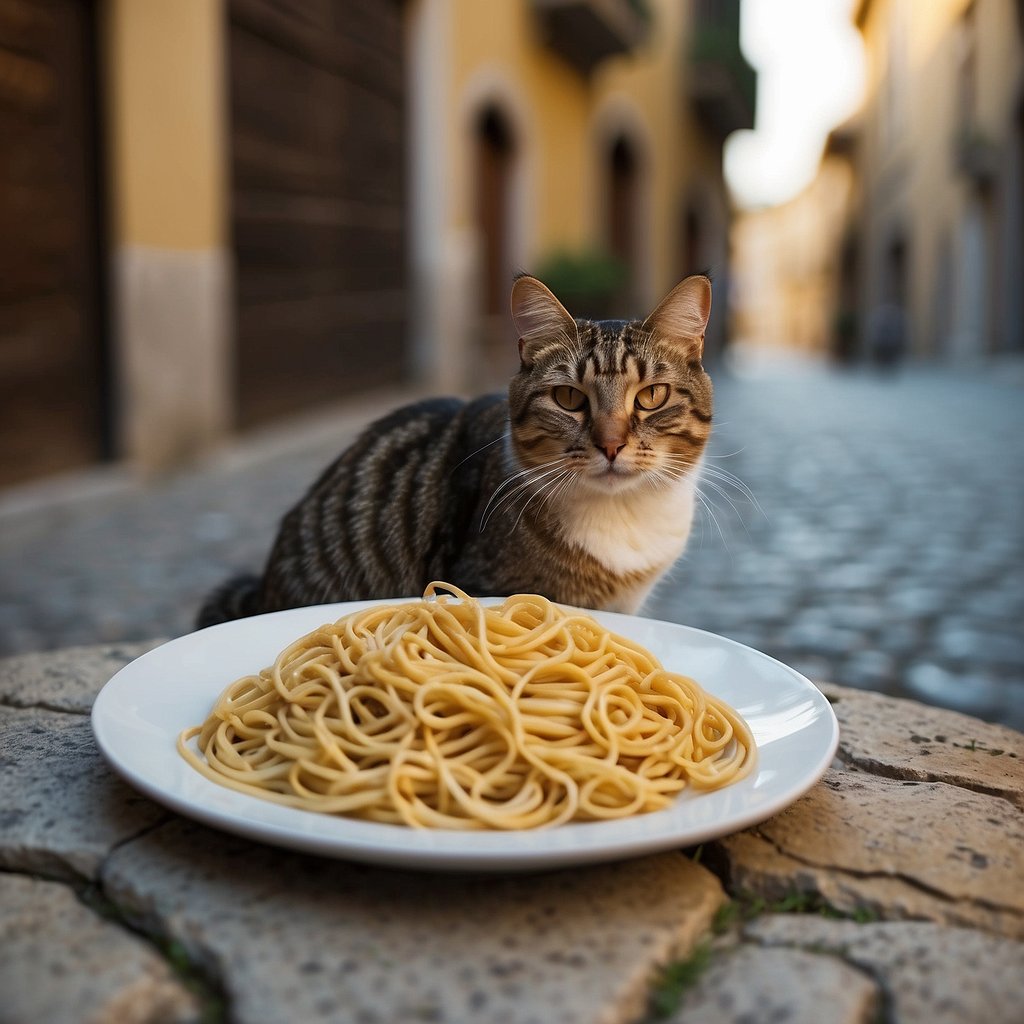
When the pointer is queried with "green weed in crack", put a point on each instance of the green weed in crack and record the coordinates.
(673, 981)
(206, 989)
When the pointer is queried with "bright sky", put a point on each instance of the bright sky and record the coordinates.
(810, 71)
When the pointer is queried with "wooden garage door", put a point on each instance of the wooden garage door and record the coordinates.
(51, 403)
(317, 132)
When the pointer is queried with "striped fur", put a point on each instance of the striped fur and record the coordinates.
(513, 494)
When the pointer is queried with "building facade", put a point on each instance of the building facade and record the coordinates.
(788, 265)
(217, 213)
(531, 151)
(937, 223)
(910, 241)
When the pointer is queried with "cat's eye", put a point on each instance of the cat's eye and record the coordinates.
(569, 398)
(652, 397)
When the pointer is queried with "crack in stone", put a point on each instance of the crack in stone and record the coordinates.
(882, 770)
(912, 883)
(42, 705)
(193, 973)
(207, 988)
(165, 820)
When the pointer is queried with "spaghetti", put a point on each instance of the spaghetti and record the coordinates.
(445, 713)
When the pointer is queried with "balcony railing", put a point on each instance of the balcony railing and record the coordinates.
(722, 85)
(585, 32)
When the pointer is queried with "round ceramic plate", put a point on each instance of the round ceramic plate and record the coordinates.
(140, 712)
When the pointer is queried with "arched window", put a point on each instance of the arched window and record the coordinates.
(692, 244)
(622, 205)
(494, 164)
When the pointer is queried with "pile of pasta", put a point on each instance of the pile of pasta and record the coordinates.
(448, 713)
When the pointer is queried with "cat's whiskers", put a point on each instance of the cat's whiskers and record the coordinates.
(725, 478)
(532, 475)
(548, 486)
(509, 480)
(571, 477)
(686, 467)
(710, 510)
(705, 482)
(681, 473)
(483, 447)
(734, 481)
(725, 494)
(525, 488)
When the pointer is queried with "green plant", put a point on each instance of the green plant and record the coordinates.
(674, 980)
(746, 906)
(587, 282)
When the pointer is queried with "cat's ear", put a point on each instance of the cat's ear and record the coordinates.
(682, 316)
(539, 317)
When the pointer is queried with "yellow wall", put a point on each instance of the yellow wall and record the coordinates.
(164, 68)
(652, 81)
(498, 42)
(495, 44)
(164, 72)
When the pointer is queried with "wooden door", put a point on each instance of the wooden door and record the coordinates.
(495, 153)
(51, 354)
(318, 203)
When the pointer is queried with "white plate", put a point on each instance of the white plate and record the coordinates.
(139, 713)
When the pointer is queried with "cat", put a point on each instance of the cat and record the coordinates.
(580, 484)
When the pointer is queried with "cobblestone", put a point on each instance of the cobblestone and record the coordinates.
(876, 538)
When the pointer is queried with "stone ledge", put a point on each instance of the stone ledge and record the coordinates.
(65, 680)
(750, 984)
(924, 822)
(61, 809)
(293, 937)
(896, 849)
(905, 740)
(62, 962)
(927, 973)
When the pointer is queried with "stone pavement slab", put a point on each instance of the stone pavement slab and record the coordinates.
(766, 985)
(61, 809)
(906, 740)
(297, 937)
(901, 849)
(927, 974)
(63, 964)
(65, 680)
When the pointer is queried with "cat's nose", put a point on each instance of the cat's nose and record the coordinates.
(611, 449)
(610, 434)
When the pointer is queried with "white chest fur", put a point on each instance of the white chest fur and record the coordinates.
(633, 532)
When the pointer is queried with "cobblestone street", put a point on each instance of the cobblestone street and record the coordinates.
(869, 533)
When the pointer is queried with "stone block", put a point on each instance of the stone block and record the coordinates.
(64, 963)
(61, 809)
(296, 937)
(924, 850)
(930, 974)
(66, 680)
(903, 739)
(748, 984)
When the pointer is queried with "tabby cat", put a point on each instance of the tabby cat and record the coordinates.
(580, 485)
